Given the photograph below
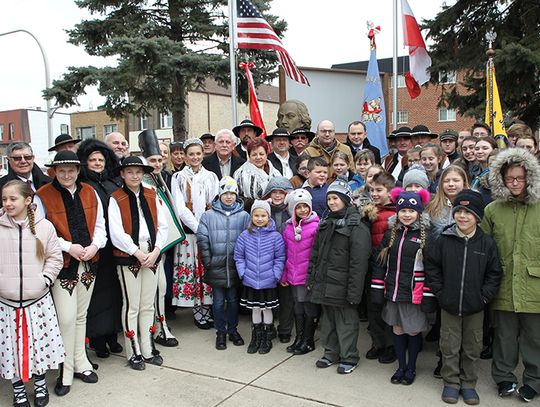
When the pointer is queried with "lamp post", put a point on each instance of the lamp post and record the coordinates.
(47, 81)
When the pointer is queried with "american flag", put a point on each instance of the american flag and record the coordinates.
(252, 31)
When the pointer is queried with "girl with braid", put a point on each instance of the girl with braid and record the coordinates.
(30, 340)
(398, 277)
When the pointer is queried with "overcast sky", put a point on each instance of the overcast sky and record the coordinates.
(317, 36)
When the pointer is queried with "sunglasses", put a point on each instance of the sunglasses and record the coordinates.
(18, 158)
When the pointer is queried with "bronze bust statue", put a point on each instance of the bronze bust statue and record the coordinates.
(293, 114)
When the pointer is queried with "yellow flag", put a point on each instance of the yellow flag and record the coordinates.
(494, 113)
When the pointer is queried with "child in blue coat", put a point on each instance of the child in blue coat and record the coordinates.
(260, 257)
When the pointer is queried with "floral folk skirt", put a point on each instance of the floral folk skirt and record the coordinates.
(189, 290)
(30, 340)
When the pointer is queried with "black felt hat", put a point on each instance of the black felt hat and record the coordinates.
(65, 157)
(279, 132)
(148, 143)
(421, 130)
(133, 161)
(310, 135)
(63, 139)
(247, 123)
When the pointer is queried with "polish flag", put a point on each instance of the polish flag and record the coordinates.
(419, 60)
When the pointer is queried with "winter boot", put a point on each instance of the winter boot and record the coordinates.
(256, 337)
(266, 343)
(308, 343)
(299, 326)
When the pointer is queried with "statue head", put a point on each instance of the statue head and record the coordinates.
(293, 114)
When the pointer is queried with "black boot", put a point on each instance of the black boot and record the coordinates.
(99, 344)
(256, 337)
(299, 326)
(266, 343)
(308, 343)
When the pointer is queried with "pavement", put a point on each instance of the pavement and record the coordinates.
(196, 374)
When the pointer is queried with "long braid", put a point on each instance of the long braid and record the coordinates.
(40, 250)
(384, 252)
(422, 232)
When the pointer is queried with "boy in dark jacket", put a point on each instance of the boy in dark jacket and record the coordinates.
(337, 269)
(463, 271)
(216, 237)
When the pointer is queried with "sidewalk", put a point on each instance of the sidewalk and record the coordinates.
(196, 374)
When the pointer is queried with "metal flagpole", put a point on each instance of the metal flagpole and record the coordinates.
(395, 70)
(232, 58)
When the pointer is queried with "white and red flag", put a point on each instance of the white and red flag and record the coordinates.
(419, 60)
(254, 111)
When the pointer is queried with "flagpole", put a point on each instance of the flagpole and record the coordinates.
(395, 69)
(232, 59)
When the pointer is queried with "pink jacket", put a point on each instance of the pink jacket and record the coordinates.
(23, 276)
(298, 251)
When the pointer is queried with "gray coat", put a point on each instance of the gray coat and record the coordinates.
(216, 238)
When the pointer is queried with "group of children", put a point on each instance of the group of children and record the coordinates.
(317, 245)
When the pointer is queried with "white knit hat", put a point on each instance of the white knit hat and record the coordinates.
(228, 184)
(260, 204)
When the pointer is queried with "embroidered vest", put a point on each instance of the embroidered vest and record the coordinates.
(122, 198)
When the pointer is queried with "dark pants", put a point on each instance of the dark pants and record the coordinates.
(460, 344)
(225, 306)
(380, 331)
(286, 310)
(307, 308)
(339, 333)
(516, 334)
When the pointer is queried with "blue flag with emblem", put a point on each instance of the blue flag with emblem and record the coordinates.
(373, 111)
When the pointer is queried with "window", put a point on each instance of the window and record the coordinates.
(143, 121)
(402, 118)
(400, 81)
(110, 128)
(447, 115)
(1, 131)
(11, 131)
(86, 132)
(447, 77)
(165, 120)
(64, 129)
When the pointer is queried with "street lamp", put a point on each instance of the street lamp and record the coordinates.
(47, 81)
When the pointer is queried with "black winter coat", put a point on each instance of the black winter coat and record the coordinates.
(464, 274)
(402, 283)
(339, 259)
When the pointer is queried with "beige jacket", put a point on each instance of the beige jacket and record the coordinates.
(316, 150)
(23, 277)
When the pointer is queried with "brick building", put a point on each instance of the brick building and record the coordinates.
(95, 124)
(424, 109)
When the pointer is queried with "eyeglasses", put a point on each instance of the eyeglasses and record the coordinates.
(18, 158)
(511, 180)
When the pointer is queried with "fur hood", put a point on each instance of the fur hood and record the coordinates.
(523, 158)
(369, 212)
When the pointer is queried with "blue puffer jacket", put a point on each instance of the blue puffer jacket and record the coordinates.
(216, 238)
(260, 257)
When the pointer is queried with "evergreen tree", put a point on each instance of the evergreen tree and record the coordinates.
(458, 33)
(164, 49)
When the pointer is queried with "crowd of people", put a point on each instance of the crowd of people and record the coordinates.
(435, 241)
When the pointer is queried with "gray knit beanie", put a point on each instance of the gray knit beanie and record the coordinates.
(260, 204)
(277, 184)
(341, 188)
(296, 197)
(416, 175)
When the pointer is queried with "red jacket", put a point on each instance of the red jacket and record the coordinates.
(380, 225)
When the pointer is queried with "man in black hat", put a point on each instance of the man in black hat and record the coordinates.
(420, 135)
(449, 143)
(245, 131)
(300, 139)
(21, 166)
(223, 162)
(396, 163)
(64, 142)
(75, 210)
(209, 144)
(357, 140)
(138, 228)
(280, 157)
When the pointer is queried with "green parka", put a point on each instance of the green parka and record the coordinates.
(515, 226)
(339, 260)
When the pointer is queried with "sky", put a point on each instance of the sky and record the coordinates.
(317, 36)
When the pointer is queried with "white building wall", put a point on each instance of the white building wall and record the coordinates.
(37, 120)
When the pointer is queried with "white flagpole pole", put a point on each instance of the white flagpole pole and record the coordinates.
(395, 69)
(232, 59)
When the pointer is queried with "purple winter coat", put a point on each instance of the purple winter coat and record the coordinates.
(298, 252)
(260, 257)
